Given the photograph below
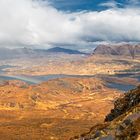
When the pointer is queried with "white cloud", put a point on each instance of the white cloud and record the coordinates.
(30, 23)
(133, 2)
(109, 4)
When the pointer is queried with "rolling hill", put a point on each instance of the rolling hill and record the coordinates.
(63, 50)
(57, 109)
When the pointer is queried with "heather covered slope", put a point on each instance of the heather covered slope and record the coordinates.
(123, 122)
(56, 109)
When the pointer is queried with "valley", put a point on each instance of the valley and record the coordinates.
(58, 96)
(69, 69)
(34, 70)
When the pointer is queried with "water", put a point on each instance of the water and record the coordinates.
(131, 75)
(4, 77)
(122, 87)
(39, 79)
(22, 78)
(55, 76)
(2, 67)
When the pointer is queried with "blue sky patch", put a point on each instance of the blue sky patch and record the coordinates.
(94, 5)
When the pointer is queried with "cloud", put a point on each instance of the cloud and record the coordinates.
(110, 4)
(134, 2)
(28, 22)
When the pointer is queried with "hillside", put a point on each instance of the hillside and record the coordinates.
(8, 53)
(122, 123)
(63, 50)
(57, 109)
(124, 50)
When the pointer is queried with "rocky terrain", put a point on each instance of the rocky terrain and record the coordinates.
(57, 109)
(122, 123)
(122, 49)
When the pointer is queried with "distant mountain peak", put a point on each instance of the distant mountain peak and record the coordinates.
(64, 50)
(119, 49)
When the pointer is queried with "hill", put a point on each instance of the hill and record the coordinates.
(123, 50)
(122, 123)
(7, 53)
(57, 109)
(63, 50)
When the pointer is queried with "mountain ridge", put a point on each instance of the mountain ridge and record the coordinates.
(7, 53)
(118, 50)
(64, 50)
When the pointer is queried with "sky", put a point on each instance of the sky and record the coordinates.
(93, 5)
(77, 24)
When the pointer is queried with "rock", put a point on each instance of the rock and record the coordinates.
(118, 50)
(123, 122)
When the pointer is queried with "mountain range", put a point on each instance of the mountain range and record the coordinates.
(118, 50)
(6, 53)
(63, 50)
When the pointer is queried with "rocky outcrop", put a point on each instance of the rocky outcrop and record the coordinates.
(130, 100)
(123, 123)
